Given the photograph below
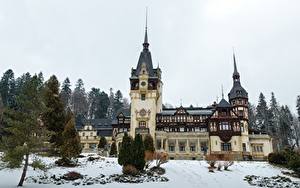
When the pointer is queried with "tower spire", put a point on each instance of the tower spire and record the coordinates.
(236, 74)
(146, 44)
(222, 91)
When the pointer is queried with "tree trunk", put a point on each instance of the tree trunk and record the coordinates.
(24, 171)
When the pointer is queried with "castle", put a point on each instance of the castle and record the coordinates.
(189, 132)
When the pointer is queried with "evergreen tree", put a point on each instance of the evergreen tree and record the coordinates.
(298, 107)
(54, 116)
(101, 111)
(102, 143)
(93, 102)
(285, 127)
(262, 114)
(25, 133)
(274, 115)
(252, 117)
(113, 149)
(126, 156)
(66, 93)
(20, 82)
(138, 152)
(148, 143)
(118, 101)
(71, 146)
(79, 100)
(7, 88)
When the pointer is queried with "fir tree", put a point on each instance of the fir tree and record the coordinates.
(25, 133)
(113, 149)
(298, 107)
(126, 156)
(138, 152)
(71, 146)
(252, 117)
(262, 114)
(7, 88)
(285, 127)
(118, 101)
(102, 143)
(79, 100)
(54, 116)
(274, 116)
(66, 93)
(148, 143)
(101, 111)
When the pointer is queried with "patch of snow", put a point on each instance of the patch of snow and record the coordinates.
(181, 173)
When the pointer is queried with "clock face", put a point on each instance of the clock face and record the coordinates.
(143, 83)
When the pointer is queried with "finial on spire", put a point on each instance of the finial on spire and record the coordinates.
(146, 44)
(222, 91)
(234, 62)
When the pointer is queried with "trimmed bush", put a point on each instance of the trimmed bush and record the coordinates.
(277, 158)
(71, 176)
(130, 170)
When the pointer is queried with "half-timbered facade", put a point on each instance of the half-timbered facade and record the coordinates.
(189, 132)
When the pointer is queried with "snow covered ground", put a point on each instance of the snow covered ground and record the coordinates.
(185, 174)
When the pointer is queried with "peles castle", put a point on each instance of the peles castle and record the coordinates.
(187, 132)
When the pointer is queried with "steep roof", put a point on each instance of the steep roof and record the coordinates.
(237, 90)
(223, 104)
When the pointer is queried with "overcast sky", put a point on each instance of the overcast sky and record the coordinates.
(99, 41)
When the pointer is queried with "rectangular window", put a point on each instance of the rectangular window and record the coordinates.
(244, 147)
(181, 148)
(171, 148)
(143, 97)
(192, 148)
(226, 146)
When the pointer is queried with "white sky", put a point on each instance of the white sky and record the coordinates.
(99, 41)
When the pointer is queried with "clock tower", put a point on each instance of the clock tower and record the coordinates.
(145, 93)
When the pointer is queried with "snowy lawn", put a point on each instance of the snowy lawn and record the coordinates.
(181, 173)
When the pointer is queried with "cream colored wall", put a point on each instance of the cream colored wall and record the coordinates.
(262, 139)
(215, 143)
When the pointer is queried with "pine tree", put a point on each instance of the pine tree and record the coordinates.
(148, 143)
(118, 102)
(102, 143)
(7, 88)
(298, 107)
(285, 127)
(25, 132)
(138, 152)
(66, 93)
(274, 115)
(71, 146)
(252, 117)
(262, 114)
(54, 116)
(79, 100)
(113, 149)
(102, 108)
(126, 156)
(93, 102)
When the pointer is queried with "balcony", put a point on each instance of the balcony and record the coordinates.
(142, 131)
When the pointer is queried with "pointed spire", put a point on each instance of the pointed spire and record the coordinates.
(236, 75)
(146, 44)
(222, 92)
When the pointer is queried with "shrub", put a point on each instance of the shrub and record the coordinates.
(130, 170)
(277, 158)
(220, 165)
(211, 160)
(38, 164)
(161, 158)
(65, 162)
(71, 176)
(149, 157)
(113, 150)
(227, 164)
